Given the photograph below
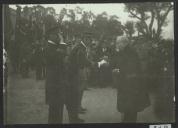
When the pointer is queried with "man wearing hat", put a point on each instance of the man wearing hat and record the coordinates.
(132, 96)
(78, 63)
(54, 78)
(57, 90)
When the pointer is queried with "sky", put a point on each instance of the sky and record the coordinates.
(110, 9)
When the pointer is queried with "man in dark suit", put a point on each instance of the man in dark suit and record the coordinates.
(78, 62)
(58, 91)
(132, 96)
(54, 76)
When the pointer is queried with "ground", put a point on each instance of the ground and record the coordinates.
(25, 104)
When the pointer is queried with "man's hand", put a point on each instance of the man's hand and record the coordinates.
(102, 62)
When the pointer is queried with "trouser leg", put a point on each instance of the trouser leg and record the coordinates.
(73, 116)
(55, 114)
(43, 72)
(80, 98)
(129, 116)
(80, 90)
(72, 99)
(24, 69)
(39, 72)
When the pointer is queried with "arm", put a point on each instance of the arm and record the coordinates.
(82, 59)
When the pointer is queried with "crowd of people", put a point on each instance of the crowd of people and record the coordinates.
(66, 76)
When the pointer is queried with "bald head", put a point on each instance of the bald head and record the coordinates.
(122, 42)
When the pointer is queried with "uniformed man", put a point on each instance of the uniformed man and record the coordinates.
(78, 63)
(58, 91)
(39, 60)
(54, 77)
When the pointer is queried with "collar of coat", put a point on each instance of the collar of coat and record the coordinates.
(63, 43)
(51, 42)
(83, 44)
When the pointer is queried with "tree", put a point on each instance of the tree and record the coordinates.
(7, 27)
(148, 13)
(114, 26)
(129, 28)
(107, 27)
(62, 14)
(50, 11)
(72, 15)
(100, 25)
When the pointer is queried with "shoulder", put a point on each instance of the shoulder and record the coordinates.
(80, 47)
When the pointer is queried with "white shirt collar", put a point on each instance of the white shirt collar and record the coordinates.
(63, 43)
(83, 44)
(51, 42)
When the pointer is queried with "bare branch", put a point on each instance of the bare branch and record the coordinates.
(165, 15)
(162, 19)
(152, 21)
(135, 15)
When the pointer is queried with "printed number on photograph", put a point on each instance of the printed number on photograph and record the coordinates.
(161, 126)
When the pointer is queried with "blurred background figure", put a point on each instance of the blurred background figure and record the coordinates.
(93, 80)
(105, 72)
(39, 60)
(5, 70)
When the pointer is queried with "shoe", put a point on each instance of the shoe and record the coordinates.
(77, 120)
(80, 120)
(87, 89)
(82, 110)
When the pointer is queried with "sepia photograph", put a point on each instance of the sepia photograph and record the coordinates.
(82, 63)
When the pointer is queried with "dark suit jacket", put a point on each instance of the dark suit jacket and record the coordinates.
(132, 93)
(78, 59)
(55, 75)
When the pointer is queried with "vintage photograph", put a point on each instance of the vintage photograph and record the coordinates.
(88, 63)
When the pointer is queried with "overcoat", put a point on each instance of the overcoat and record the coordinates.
(131, 90)
(55, 75)
(77, 63)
